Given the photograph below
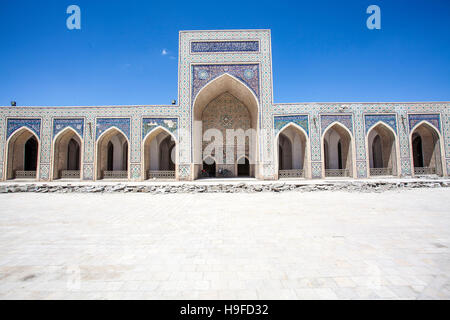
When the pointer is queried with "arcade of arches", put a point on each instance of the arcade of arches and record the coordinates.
(160, 155)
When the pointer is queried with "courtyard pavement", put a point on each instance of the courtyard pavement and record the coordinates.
(291, 245)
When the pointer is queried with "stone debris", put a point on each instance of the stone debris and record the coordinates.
(350, 186)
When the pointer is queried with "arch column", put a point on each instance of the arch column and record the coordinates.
(45, 150)
(403, 140)
(136, 166)
(88, 172)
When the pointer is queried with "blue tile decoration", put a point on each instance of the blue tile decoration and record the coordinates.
(247, 73)
(389, 119)
(148, 124)
(104, 124)
(345, 119)
(433, 118)
(75, 124)
(224, 46)
(300, 120)
(32, 124)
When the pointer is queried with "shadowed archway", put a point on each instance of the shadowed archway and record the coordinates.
(67, 155)
(225, 127)
(382, 151)
(293, 152)
(337, 146)
(112, 155)
(22, 155)
(160, 154)
(426, 150)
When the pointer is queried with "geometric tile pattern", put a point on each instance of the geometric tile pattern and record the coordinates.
(281, 121)
(247, 73)
(148, 124)
(75, 124)
(433, 118)
(32, 124)
(224, 46)
(389, 119)
(328, 119)
(104, 124)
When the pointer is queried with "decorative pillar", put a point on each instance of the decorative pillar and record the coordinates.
(45, 148)
(403, 136)
(315, 141)
(360, 142)
(186, 165)
(89, 147)
(136, 140)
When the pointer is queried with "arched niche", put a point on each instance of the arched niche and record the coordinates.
(228, 88)
(22, 158)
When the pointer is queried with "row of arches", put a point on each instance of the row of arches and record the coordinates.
(293, 153)
(228, 103)
(112, 154)
(338, 150)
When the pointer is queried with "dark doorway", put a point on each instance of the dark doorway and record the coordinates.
(210, 168)
(377, 153)
(339, 155)
(73, 155)
(243, 168)
(110, 156)
(31, 146)
(171, 163)
(417, 152)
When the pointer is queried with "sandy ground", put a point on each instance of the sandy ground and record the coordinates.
(324, 245)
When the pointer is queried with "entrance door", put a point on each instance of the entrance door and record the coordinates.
(210, 168)
(244, 168)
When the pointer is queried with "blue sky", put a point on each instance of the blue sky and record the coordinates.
(322, 50)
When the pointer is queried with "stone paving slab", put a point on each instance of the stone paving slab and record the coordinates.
(318, 245)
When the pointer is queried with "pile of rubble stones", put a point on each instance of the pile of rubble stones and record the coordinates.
(350, 186)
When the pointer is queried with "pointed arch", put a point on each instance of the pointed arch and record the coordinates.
(431, 149)
(299, 153)
(121, 154)
(225, 83)
(389, 153)
(151, 154)
(16, 155)
(63, 156)
(334, 133)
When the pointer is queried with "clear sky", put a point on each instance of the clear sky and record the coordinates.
(322, 50)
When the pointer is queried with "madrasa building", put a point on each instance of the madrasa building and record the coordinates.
(225, 123)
